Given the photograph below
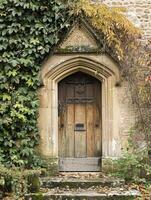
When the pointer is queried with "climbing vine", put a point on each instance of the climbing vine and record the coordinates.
(29, 31)
(118, 31)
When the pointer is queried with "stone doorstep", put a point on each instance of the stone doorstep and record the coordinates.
(85, 195)
(50, 182)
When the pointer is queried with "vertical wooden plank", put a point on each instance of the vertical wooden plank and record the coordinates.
(80, 111)
(80, 136)
(89, 120)
(97, 120)
(61, 119)
(69, 144)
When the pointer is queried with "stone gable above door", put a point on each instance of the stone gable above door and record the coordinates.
(80, 38)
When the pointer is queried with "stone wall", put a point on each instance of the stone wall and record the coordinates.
(118, 112)
(138, 12)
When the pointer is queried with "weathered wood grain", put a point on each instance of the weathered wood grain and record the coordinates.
(69, 126)
(80, 101)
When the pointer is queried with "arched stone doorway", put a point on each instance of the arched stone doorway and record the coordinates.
(80, 52)
(100, 67)
(79, 123)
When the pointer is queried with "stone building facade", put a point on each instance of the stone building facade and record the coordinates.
(138, 12)
(117, 111)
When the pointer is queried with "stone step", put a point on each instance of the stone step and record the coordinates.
(49, 182)
(85, 195)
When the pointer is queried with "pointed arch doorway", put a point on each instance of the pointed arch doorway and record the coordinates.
(79, 123)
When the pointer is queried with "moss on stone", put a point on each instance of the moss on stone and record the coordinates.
(74, 49)
(51, 166)
(107, 165)
(34, 183)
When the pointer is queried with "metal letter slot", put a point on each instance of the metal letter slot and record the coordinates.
(79, 127)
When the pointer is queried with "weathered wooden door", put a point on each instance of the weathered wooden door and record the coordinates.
(79, 124)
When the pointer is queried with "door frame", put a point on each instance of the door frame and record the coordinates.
(106, 72)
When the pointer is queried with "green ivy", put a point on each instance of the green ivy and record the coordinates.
(28, 32)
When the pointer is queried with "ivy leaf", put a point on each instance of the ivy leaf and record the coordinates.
(4, 32)
(34, 41)
(12, 73)
(6, 97)
(14, 63)
(30, 82)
